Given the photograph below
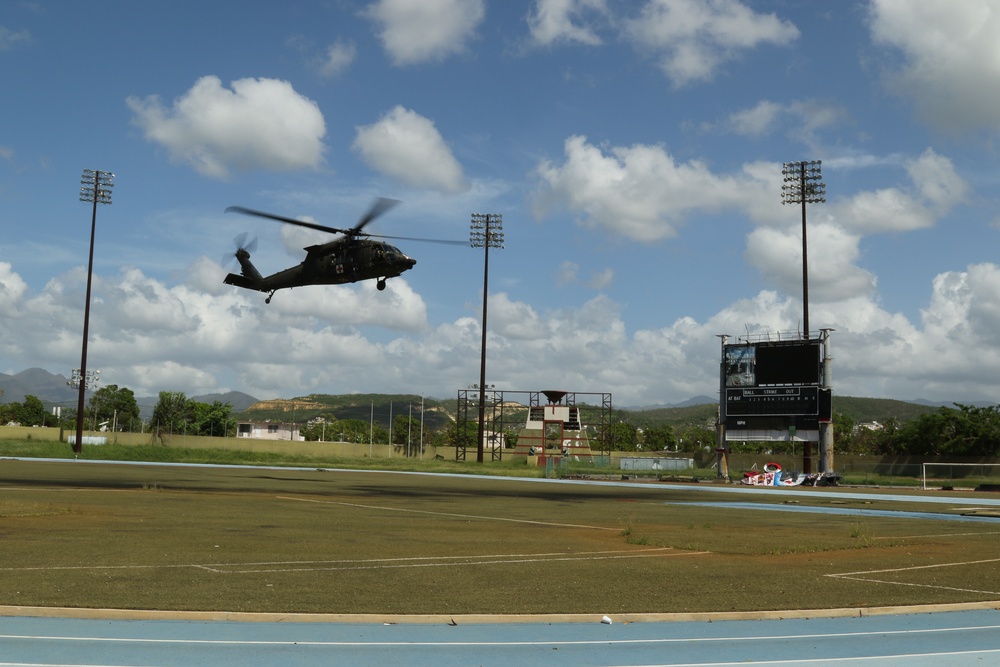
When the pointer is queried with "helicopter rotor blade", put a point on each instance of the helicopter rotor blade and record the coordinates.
(414, 238)
(290, 221)
(379, 208)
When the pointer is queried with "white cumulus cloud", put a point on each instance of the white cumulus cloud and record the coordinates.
(257, 124)
(694, 37)
(405, 145)
(947, 58)
(429, 30)
(339, 56)
(640, 191)
(553, 21)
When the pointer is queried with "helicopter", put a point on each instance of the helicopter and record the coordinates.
(353, 257)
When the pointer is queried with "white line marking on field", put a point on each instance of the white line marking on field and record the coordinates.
(386, 563)
(917, 537)
(863, 576)
(449, 514)
(452, 561)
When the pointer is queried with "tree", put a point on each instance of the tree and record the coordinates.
(172, 414)
(7, 413)
(696, 438)
(623, 436)
(843, 429)
(352, 430)
(968, 431)
(659, 438)
(212, 420)
(380, 434)
(31, 412)
(464, 435)
(323, 429)
(114, 405)
(404, 427)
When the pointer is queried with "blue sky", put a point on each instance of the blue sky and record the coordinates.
(633, 148)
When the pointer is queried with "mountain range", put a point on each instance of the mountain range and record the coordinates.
(53, 389)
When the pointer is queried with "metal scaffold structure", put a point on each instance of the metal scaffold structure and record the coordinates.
(544, 424)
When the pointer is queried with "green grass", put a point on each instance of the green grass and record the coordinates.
(323, 541)
(160, 454)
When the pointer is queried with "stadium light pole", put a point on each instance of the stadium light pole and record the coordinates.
(486, 232)
(95, 187)
(803, 185)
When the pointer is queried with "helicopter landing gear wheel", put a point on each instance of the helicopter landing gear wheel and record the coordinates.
(380, 285)
(268, 299)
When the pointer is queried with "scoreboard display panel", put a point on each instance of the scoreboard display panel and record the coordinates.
(773, 363)
(768, 384)
(783, 363)
(772, 401)
(769, 408)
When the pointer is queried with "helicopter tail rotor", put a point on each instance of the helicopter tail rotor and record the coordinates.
(249, 277)
(242, 248)
(241, 242)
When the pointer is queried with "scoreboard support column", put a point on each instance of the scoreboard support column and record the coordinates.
(826, 411)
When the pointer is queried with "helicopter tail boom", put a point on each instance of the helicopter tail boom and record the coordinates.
(249, 277)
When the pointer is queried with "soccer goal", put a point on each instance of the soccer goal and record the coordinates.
(965, 475)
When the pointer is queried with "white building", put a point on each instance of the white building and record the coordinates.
(270, 431)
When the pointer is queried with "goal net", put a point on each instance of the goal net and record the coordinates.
(964, 475)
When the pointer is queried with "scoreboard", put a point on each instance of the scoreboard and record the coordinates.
(774, 387)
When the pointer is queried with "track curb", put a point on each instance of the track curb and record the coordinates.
(480, 619)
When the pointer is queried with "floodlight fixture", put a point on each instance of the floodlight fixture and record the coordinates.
(486, 230)
(803, 184)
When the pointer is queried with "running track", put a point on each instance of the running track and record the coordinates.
(956, 635)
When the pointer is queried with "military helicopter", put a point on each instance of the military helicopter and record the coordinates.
(353, 257)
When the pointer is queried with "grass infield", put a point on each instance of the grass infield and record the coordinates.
(99, 535)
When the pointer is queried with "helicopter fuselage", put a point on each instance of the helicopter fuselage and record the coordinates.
(334, 263)
(356, 256)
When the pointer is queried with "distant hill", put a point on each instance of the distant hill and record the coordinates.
(696, 400)
(881, 409)
(687, 414)
(858, 409)
(237, 399)
(51, 389)
(383, 408)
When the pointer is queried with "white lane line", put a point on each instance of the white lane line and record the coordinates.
(539, 642)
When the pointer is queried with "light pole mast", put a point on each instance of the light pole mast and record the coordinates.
(95, 187)
(486, 232)
(803, 185)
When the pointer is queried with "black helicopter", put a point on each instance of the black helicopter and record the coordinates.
(353, 257)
